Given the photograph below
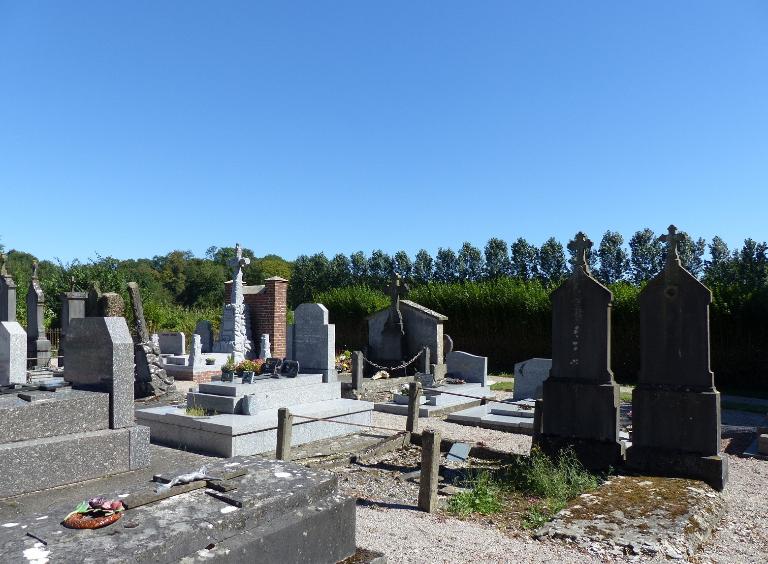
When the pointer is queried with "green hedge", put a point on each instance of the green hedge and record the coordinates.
(509, 320)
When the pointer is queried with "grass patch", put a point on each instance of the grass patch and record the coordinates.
(543, 484)
(196, 411)
(626, 397)
(503, 375)
(484, 498)
(502, 386)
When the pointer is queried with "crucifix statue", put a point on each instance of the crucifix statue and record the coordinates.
(396, 289)
(34, 270)
(238, 263)
(3, 271)
(580, 246)
(672, 239)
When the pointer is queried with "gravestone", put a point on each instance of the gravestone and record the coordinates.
(675, 406)
(529, 378)
(72, 307)
(38, 347)
(196, 352)
(204, 329)
(233, 337)
(111, 305)
(468, 367)
(7, 293)
(92, 304)
(150, 378)
(581, 398)
(13, 353)
(101, 359)
(393, 333)
(312, 341)
(447, 344)
(172, 343)
(264, 348)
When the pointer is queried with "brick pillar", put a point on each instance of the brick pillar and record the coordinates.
(273, 313)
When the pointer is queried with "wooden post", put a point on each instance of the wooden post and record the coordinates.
(430, 470)
(414, 403)
(284, 432)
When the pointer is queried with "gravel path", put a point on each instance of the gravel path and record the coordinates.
(409, 536)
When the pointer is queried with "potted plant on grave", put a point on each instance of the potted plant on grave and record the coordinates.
(228, 370)
(210, 361)
(246, 369)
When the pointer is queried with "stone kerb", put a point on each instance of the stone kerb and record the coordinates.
(100, 358)
(468, 367)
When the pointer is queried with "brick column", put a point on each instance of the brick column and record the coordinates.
(272, 314)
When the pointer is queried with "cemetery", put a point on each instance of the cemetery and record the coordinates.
(268, 453)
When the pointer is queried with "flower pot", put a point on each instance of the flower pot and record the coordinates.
(248, 376)
(227, 375)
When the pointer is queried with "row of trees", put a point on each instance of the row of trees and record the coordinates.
(169, 283)
(610, 260)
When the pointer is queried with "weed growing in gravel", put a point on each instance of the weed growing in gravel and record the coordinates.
(196, 411)
(484, 497)
(546, 483)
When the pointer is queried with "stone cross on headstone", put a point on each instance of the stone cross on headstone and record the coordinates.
(7, 293)
(580, 247)
(396, 290)
(237, 264)
(672, 239)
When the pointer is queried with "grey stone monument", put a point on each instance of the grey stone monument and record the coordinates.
(101, 359)
(13, 353)
(204, 329)
(7, 293)
(150, 378)
(312, 341)
(529, 378)
(265, 350)
(92, 305)
(38, 347)
(72, 307)
(581, 398)
(196, 352)
(233, 338)
(393, 333)
(468, 367)
(173, 343)
(675, 406)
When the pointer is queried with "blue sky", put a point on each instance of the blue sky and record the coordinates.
(135, 128)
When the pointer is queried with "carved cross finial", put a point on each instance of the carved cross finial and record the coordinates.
(34, 269)
(239, 261)
(580, 246)
(397, 288)
(672, 239)
(3, 271)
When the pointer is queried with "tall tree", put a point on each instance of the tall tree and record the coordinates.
(446, 265)
(753, 264)
(692, 253)
(524, 260)
(380, 268)
(717, 268)
(422, 267)
(310, 276)
(496, 258)
(647, 255)
(614, 260)
(403, 265)
(358, 265)
(339, 271)
(553, 266)
(470, 263)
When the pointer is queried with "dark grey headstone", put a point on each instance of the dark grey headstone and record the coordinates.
(100, 357)
(675, 406)
(7, 293)
(581, 399)
(38, 346)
